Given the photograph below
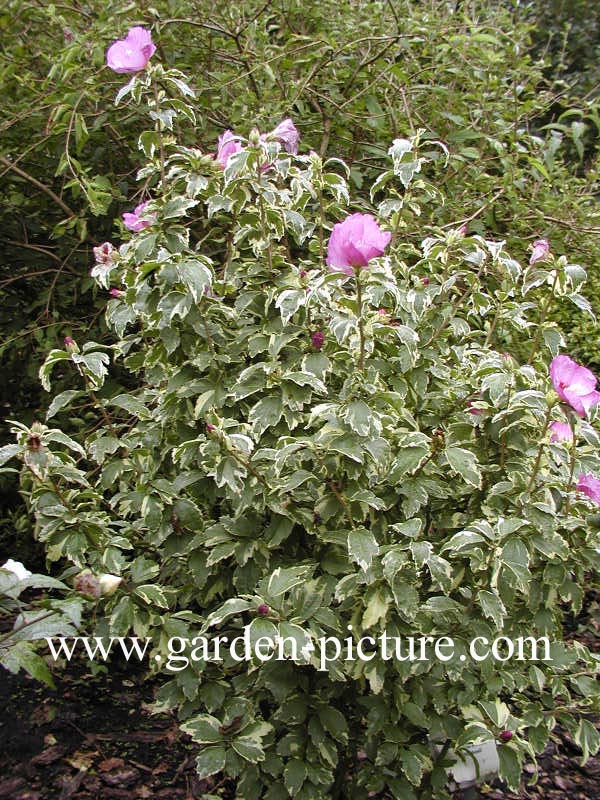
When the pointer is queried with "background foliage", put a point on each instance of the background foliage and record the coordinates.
(510, 88)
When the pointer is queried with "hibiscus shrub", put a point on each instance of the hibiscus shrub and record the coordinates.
(334, 434)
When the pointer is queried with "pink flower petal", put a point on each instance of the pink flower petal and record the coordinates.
(561, 432)
(574, 384)
(132, 53)
(540, 250)
(590, 486)
(286, 133)
(354, 242)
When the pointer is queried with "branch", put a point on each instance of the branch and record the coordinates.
(41, 186)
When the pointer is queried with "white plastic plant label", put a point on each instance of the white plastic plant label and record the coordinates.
(480, 763)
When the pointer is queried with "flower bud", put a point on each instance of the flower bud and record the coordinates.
(71, 345)
(88, 584)
(317, 340)
(254, 137)
(209, 428)
(425, 281)
(506, 736)
(116, 293)
(263, 609)
(108, 583)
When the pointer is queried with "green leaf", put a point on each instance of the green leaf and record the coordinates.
(62, 438)
(131, 404)
(100, 448)
(465, 463)
(414, 764)
(306, 379)
(94, 366)
(515, 564)
(348, 446)
(196, 275)
(249, 748)
(298, 637)
(177, 207)
(9, 451)
(153, 595)
(22, 655)
(231, 607)
(210, 761)
(588, 738)
(497, 711)
(376, 609)
(334, 723)
(251, 380)
(53, 358)
(203, 729)
(362, 547)
(362, 419)
(510, 766)
(294, 775)
(175, 304)
(60, 401)
(289, 301)
(266, 414)
(148, 142)
(412, 449)
(284, 579)
(492, 607)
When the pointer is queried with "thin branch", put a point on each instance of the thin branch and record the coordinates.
(41, 186)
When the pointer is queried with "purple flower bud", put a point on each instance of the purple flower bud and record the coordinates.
(116, 293)
(263, 609)
(303, 273)
(209, 428)
(317, 340)
(425, 281)
(71, 345)
(506, 736)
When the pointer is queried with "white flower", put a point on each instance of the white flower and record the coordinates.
(17, 569)
(109, 583)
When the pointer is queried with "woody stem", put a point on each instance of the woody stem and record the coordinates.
(361, 331)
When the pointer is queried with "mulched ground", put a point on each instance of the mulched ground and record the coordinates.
(94, 738)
